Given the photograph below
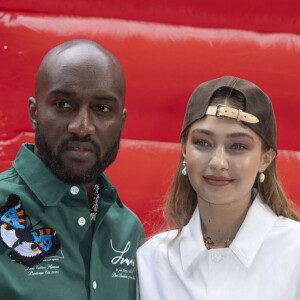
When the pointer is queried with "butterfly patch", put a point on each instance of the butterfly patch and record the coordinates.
(29, 247)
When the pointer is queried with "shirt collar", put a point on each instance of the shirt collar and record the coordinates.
(191, 241)
(250, 237)
(45, 185)
(258, 222)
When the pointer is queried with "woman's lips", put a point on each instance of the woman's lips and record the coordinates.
(217, 180)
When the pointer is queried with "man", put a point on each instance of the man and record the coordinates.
(64, 232)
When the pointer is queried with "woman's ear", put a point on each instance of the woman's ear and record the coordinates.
(267, 158)
(183, 148)
(32, 112)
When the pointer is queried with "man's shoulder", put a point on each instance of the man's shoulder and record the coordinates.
(126, 217)
(9, 183)
(119, 209)
(126, 210)
(8, 175)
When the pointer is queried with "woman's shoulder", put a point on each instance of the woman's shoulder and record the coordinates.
(288, 223)
(287, 229)
(157, 244)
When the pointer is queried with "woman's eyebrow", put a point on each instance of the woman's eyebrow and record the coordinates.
(240, 134)
(230, 135)
(205, 131)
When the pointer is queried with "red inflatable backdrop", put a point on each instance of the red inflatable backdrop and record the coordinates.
(166, 49)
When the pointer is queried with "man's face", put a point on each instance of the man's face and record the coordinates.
(78, 115)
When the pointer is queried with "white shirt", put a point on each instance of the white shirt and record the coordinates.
(262, 262)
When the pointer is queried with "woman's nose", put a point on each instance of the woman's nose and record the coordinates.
(219, 159)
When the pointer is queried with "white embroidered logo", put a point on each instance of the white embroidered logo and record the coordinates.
(49, 266)
(119, 259)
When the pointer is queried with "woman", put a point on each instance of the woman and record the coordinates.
(235, 235)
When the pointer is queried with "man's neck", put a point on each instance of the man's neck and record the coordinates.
(89, 187)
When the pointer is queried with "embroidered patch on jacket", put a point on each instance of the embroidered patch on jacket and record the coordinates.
(29, 247)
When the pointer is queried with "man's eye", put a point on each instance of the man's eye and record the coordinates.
(102, 108)
(62, 104)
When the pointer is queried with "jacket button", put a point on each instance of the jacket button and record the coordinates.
(81, 221)
(74, 190)
(94, 284)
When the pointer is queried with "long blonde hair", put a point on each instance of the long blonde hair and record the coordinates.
(182, 199)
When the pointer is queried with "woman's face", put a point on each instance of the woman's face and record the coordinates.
(223, 157)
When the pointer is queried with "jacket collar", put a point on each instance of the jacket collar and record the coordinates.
(258, 222)
(46, 186)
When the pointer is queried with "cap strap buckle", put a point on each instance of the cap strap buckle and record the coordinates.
(218, 111)
(222, 111)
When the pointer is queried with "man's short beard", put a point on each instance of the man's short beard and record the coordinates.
(54, 160)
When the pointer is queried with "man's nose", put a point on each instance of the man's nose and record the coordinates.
(82, 124)
(219, 159)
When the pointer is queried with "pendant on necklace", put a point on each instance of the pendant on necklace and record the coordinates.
(208, 241)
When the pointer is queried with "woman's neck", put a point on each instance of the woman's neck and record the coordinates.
(221, 222)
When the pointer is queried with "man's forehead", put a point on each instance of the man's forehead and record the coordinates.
(84, 60)
(79, 54)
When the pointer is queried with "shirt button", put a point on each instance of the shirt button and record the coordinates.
(74, 190)
(94, 285)
(217, 257)
(81, 221)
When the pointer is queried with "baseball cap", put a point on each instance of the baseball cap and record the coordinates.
(258, 113)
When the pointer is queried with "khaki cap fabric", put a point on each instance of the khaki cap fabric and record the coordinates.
(257, 104)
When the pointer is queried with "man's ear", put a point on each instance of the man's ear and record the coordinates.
(266, 160)
(124, 117)
(32, 112)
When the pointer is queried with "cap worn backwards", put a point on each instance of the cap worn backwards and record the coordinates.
(258, 113)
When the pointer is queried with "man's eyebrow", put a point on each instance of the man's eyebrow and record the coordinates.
(68, 93)
(106, 97)
(63, 92)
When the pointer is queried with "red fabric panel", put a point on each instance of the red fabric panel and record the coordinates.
(162, 64)
(143, 172)
(263, 15)
(288, 164)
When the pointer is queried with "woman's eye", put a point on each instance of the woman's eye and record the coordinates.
(202, 143)
(239, 147)
(62, 104)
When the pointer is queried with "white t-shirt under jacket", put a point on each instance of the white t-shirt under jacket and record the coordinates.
(262, 262)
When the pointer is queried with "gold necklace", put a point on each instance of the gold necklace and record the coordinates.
(209, 242)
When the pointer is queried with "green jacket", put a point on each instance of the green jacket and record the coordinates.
(93, 262)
